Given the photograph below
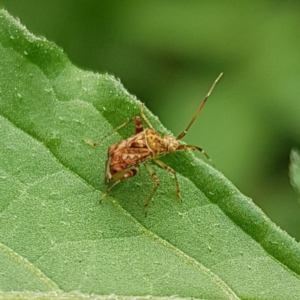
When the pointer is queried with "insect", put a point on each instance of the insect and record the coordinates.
(146, 145)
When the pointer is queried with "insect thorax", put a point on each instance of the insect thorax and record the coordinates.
(161, 145)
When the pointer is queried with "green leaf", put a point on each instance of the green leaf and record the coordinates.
(295, 170)
(56, 238)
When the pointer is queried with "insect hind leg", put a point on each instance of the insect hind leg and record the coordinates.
(108, 190)
(118, 177)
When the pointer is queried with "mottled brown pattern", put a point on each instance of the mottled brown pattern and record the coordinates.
(127, 153)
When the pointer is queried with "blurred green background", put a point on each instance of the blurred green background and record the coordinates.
(168, 53)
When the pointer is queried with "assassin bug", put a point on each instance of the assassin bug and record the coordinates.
(125, 157)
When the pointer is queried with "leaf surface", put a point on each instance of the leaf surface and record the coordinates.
(54, 235)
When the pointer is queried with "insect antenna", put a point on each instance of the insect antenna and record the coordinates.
(182, 134)
(192, 147)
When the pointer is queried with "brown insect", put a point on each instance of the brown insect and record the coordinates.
(125, 157)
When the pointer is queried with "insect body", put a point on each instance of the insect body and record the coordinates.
(125, 157)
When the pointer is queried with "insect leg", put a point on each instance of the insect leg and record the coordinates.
(126, 173)
(144, 116)
(169, 169)
(138, 125)
(109, 189)
(191, 147)
(138, 128)
(155, 178)
(118, 177)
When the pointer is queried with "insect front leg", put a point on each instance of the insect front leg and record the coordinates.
(169, 169)
(157, 182)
